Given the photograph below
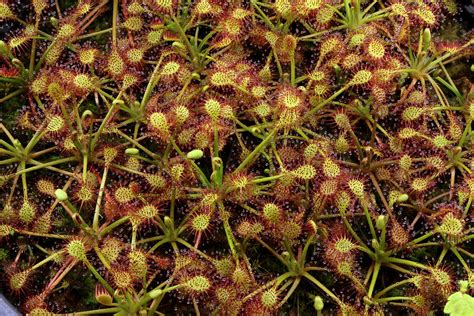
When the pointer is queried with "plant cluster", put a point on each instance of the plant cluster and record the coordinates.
(235, 157)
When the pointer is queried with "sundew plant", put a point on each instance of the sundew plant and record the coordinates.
(273, 157)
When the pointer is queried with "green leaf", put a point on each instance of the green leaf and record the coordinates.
(460, 304)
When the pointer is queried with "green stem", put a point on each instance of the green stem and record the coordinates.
(110, 227)
(392, 286)
(184, 37)
(101, 127)
(294, 286)
(172, 202)
(95, 222)
(161, 242)
(11, 95)
(407, 263)
(374, 278)
(191, 247)
(49, 258)
(369, 220)
(468, 207)
(227, 229)
(302, 259)
(23, 180)
(394, 298)
(323, 288)
(353, 233)
(99, 277)
(293, 70)
(25, 232)
(441, 256)
(419, 239)
(151, 84)
(93, 34)
(114, 22)
(137, 144)
(264, 244)
(110, 310)
(11, 148)
(256, 151)
(262, 15)
(460, 258)
(104, 260)
(467, 253)
(9, 161)
(85, 159)
(46, 164)
(15, 80)
(133, 243)
(58, 170)
(9, 135)
(143, 241)
(400, 269)
(201, 174)
(277, 61)
(323, 103)
(267, 179)
(34, 140)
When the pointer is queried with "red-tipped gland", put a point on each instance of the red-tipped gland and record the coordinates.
(133, 23)
(198, 284)
(362, 77)
(451, 226)
(18, 280)
(158, 122)
(375, 49)
(111, 249)
(164, 6)
(213, 109)
(200, 222)
(102, 296)
(27, 212)
(399, 236)
(269, 299)
(357, 187)
(148, 212)
(137, 262)
(272, 213)
(205, 7)
(225, 295)
(425, 15)
(329, 45)
(305, 172)
(115, 64)
(46, 187)
(249, 229)
(76, 248)
(122, 278)
(124, 195)
(291, 229)
(224, 266)
(5, 12)
(87, 56)
(6, 230)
